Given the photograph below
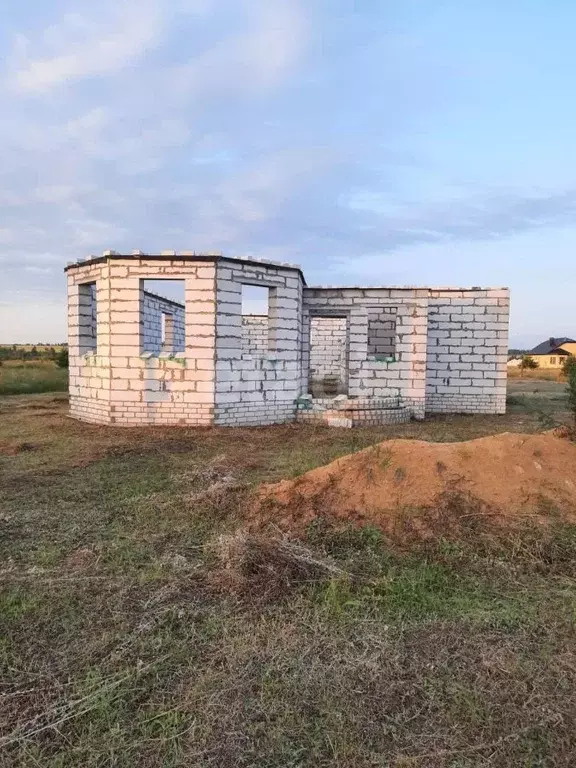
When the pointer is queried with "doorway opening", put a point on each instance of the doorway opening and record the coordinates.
(328, 373)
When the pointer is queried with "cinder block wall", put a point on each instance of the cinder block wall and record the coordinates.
(260, 386)
(369, 377)
(382, 331)
(467, 351)
(451, 345)
(328, 354)
(117, 383)
(254, 334)
(153, 307)
(444, 350)
(89, 371)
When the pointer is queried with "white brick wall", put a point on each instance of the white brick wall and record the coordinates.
(450, 345)
(119, 384)
(382, 332)
(367, 376)
(467, 351)
(257, 388)
(153, 307)
(328, 355)
(254, 334)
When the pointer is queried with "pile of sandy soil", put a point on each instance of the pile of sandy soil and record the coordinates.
(502, 477)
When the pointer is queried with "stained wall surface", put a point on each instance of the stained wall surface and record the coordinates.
(257, 386)
(118, 383)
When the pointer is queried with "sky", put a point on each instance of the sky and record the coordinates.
(376, 142)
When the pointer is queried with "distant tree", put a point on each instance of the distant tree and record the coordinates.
(62, 360)
(528, 363)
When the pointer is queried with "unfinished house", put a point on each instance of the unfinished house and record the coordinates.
(345, 356)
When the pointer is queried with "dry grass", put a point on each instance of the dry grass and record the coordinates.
(31, 376)
(253, 565)
(139, 628)
(538, 374)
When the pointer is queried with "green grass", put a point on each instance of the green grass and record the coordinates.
(128, 637)
(30, 378)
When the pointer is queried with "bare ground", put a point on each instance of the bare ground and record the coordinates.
(133, 634)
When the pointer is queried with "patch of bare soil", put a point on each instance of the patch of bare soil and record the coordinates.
(14, 448)
(81, 558)
(502, 478)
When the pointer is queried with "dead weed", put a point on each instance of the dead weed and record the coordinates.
(265, 567)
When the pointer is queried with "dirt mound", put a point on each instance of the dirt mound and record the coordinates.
(502, 477)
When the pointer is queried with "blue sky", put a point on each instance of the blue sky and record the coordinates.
(372, 141)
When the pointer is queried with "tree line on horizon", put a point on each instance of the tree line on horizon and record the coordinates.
(31, 351)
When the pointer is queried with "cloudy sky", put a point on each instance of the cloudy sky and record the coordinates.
(371, 141)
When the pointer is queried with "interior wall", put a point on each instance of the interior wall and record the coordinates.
(328, 375)
(153, 307)
(254, 334)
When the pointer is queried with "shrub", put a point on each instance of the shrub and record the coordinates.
(529, 363)
(62, 358)
(570, 370)
(568, 364)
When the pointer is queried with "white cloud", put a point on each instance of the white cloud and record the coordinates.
(39, 270)
(276, 41)
(88, 125)
(57, 193)
(257, 59)
(86, 232)
(80, 46)
(256, 193)
(154, 157)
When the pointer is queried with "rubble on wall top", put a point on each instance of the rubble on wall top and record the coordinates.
(171, 254)
(451, 288)
(217, 255)
(266, 262)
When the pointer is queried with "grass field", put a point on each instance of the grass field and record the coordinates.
(132, 636)
(30, 377)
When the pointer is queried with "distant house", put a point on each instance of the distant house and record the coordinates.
(552, 353)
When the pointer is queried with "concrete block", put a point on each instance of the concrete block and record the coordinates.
(342, 423)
